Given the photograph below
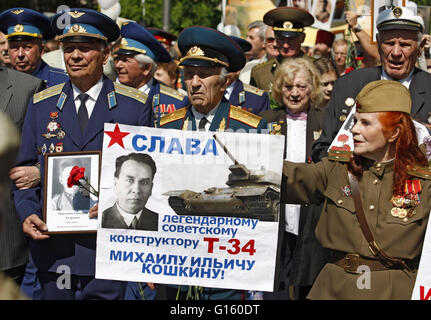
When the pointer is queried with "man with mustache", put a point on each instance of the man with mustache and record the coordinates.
(400, 43)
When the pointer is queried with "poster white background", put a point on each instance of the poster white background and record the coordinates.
(136, 255)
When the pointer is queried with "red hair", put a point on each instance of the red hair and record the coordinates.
(407, 151)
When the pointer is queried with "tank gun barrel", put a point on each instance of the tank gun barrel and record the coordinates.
(225, 150)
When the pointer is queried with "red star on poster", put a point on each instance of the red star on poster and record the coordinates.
(116, 136)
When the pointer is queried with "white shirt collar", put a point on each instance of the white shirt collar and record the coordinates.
(147, 87)
(93, 92)
(229, 90)
(128, 217)
(405, 82)
(209, 116)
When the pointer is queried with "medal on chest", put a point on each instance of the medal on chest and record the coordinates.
(404, 205)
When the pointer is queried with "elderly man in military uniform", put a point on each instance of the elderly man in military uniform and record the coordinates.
(400, 43)
(136, 62)
(26, 30)
(70, 117)
(243, 95)
(208, 57)
(288, 24)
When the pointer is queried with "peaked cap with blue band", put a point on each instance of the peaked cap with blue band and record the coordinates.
(207, 47)
(244, 44)
(136, 39)
(23, 23)
(78, 24)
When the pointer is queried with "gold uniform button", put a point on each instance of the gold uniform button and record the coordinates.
(340, 201)
(371, 207)
(375, 181)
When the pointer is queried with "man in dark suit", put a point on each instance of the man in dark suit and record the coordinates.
(133, 182)
(400, 43)
(16, 90)
(70, 117)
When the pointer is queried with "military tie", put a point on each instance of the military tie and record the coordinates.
(83, 112)
(134, 224)
(202, 124)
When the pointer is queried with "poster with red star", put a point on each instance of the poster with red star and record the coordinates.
(189, 208)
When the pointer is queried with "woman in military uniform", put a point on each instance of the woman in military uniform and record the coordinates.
(373, 255)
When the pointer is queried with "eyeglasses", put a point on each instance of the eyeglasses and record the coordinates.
(270, 40)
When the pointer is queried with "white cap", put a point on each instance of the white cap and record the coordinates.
(399, 18)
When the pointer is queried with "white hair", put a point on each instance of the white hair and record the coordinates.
(143, 60)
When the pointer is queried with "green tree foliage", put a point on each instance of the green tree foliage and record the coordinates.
(184, 13)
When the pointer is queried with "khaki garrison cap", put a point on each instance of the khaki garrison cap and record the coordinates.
(384, 95)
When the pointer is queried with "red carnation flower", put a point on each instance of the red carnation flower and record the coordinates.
(76, 174)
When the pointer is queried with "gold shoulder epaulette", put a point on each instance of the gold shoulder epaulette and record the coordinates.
(252, 89)
(48, 93)
(171, 92)
(246, 117)
(175, 115)
(340, 155)
(130, 92)
(421, 172)
(264, 64)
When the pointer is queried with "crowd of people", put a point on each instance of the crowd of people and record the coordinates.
(59, 96)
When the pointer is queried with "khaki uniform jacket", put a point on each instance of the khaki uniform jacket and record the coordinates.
(338, 228)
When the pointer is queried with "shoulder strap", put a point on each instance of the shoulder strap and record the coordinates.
(360, 215)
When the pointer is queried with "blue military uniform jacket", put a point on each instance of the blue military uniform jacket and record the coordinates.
(226, 117)
(50, 75)
(52, 125)
(165, 100)
(249, 98)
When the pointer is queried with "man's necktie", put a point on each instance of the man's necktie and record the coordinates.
(134, 224)
(202, 124)
(83, 112)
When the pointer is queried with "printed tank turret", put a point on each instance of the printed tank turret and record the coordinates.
(253, 194)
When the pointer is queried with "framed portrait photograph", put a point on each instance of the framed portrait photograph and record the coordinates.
(379, 6)
(71, 185)
(323, 12)
(302, 4)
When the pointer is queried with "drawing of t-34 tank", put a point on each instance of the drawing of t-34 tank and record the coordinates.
(253, 194)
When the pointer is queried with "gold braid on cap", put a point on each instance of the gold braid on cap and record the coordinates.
(197, 53)
(288, 26)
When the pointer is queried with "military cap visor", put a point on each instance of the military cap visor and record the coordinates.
(80, 23)
(136, 39)
(203, 46)
(25, 24)
(383, 95)
(288, 21)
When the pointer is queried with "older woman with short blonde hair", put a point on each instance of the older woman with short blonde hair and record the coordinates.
(297, 92)
(286, 74)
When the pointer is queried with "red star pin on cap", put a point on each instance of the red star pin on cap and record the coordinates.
(116, 136)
